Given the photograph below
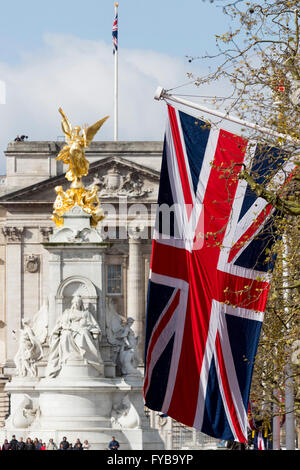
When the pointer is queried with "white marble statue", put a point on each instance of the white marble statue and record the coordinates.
(40, 322)
(29, 352)
(128, 356)
(114, 329)
(25, 413)
(123, 341)
(124, 415)
(75, 337)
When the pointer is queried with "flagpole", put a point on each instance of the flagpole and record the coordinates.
(161, 94)
(116, 85)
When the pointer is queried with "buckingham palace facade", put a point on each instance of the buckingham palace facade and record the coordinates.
(127, 174)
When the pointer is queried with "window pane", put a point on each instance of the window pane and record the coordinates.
(114, 279)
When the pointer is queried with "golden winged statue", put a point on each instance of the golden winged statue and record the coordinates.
(73, 154)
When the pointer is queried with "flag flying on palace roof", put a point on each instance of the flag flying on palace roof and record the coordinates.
(115, 32)
(209, 278)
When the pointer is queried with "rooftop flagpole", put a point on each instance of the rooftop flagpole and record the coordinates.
(161, 94)
(115, 51)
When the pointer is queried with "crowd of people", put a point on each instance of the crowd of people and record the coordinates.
(38, 444)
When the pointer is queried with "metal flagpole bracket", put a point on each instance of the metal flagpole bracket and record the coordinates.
(159, 93)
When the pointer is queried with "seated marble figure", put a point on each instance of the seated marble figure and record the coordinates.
(75, 337)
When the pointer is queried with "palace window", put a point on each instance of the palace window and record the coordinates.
(114, 279)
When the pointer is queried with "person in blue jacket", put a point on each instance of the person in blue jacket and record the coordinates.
(113, 445)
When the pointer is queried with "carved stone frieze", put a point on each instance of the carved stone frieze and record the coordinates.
(46, 232)
(119, 181)
(32, 263)
(13, 234)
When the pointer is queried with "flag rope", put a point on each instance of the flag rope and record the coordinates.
(161, 94)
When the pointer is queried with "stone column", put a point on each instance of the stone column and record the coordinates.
(134, 291)
(100, 275)
(14, 289)
(4, 400)
(55, 279)
(124, 283)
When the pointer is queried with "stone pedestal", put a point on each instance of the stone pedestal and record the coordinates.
(77, 266)
(78, 399)
(85, 407)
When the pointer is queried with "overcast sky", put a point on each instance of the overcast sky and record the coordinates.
(59, 53)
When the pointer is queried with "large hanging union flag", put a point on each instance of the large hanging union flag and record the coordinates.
(209, 279)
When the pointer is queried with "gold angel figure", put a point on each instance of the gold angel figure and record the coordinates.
(85, 198)
(73, 154)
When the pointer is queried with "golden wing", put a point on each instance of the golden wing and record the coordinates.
(66, 126)
(91, 131)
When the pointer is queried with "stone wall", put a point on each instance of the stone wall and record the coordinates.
(29, 162)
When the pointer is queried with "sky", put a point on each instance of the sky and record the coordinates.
(59, 53)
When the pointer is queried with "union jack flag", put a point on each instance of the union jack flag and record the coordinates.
(209, 277)
(115, 33)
